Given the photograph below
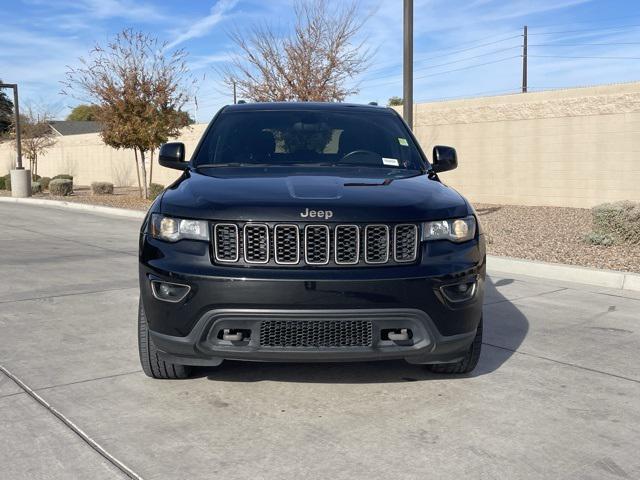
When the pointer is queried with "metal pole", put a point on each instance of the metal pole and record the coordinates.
(524, 62)
(16, 113)
(234, 93)
(407, 91)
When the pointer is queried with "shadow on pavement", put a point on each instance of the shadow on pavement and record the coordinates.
(505, 321)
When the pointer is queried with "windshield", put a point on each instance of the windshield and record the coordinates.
(309, 138)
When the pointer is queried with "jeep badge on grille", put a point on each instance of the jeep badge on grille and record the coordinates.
(316, 214)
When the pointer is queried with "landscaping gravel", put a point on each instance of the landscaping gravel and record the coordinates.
(551, 234)
(122, 197)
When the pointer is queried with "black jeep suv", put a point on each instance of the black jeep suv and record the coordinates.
(309, 232)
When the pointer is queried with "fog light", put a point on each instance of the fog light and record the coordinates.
(460, 291)
(169, 292)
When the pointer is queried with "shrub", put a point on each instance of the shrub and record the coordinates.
(35, 178)
(155, 189)
(2, 183)
(620, 221)
(36, 187)
(102, 188)
(44, 183)
(61, 187)
(7, 182)
(596, 238)
(63, 176)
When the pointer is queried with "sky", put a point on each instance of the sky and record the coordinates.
(462, 48)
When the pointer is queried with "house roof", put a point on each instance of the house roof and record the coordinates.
(66, 127)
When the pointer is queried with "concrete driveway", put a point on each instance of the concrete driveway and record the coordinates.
(556, 394)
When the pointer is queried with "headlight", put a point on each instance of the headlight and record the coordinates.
(173, 229)
(456, 229)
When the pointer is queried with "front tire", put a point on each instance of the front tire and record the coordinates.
(468, 363)
(152, 365)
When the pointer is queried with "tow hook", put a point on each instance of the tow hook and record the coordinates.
(399, 336)
(232, 337)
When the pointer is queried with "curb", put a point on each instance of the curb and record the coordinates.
(567, 273)
(515, 266)
(87, 207)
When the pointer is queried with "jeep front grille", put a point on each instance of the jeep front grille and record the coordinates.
(256, 243)
(286, 244)
(316, 333)
(347, 244)
(226, 242)
(406, 242)
(316, 245)
(376, 244)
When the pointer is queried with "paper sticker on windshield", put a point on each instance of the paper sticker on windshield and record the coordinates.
(392, 162)
(403, 142)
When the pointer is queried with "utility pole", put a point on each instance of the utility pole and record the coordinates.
(407, 90)
(234, 93)
(20, 178)
(524, 62)
(16, 115)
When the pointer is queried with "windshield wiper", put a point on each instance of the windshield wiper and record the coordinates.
(233, 164)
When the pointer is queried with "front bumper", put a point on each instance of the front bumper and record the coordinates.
(203, 345)
(188, 332)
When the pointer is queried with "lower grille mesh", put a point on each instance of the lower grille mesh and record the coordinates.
(321, 333)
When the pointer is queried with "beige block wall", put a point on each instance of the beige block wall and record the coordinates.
(88, 159)
(575, 148)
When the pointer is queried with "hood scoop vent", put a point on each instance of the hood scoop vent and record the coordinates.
(314, 188)
(385, 182)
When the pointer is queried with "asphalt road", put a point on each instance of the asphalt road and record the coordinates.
(556, 394)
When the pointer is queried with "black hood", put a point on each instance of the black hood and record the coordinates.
(352, 195)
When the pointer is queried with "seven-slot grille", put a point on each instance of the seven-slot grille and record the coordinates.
(291, 244)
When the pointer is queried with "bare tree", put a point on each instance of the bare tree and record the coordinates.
(37, 136)
(139, 89)
(314, 62)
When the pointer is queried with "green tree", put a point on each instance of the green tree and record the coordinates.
(395, 102)
(6, 112)
(140, 89)
(83, 113)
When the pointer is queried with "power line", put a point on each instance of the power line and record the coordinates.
(583, 22)
(449, 71)
(452, 51)
(593, 57)
(469, 66)
(428, 67)
(470, 95)
(551, 44)
(593, 30)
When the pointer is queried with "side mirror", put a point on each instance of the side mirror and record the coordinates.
(444, 158)
(172, 156)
